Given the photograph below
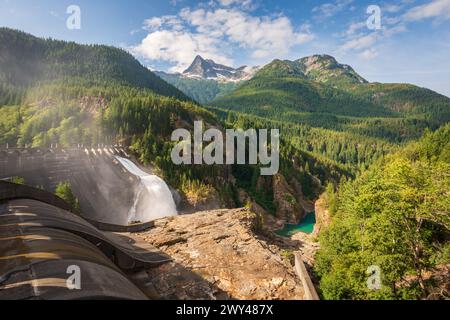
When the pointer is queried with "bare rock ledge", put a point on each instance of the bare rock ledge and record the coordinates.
(217, 255)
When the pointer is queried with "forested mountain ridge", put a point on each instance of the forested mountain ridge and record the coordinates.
(266, 94)
(26, 60)
(325, 69)
(68, 95)
(338, 133)
(318, 68)
(316, 84)
(319, 84)
(405, 99)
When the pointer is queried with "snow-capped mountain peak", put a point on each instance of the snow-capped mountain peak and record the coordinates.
(208, 69)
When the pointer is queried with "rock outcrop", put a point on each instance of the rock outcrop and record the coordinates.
(288, 207)
(323, 218)
(216, 255)
(208, 69)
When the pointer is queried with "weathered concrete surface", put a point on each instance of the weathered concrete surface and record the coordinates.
(12, 191)
(35, 214)
(310, 290)
(218, 256)
(39, 242)
(105, 189)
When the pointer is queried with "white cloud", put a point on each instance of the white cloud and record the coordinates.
(265, 35)
(156, 23)
(366, 43)
(213, 32)
(330, 9)
(134, 31)
(354, 27)
(247, 4)
(179, 48)
(434, 9)
(368, 54)
(392, 8)
(361, 42)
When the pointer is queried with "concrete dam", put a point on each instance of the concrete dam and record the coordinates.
(111, 188)
(42, 240)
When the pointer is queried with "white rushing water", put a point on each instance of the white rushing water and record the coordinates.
(153, 200)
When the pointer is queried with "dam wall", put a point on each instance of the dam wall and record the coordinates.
(106, 190)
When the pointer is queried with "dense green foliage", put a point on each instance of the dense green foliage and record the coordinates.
(312, 156)
(17, 180)
(26, 60)
(71, 113)
(272, 96)
(201, 90)
(64, 191)
(388, 195)
(406, 99)
(302, 164)
(346, 149)
(328, 95)
(395, 216)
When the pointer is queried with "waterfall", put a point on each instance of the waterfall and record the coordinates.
(153, 199)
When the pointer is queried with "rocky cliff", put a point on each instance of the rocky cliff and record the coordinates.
(287, 201)
(217, 255)
(323, 218)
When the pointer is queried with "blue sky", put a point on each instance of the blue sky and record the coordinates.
(412, 44)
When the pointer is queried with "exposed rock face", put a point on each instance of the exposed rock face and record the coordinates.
(325, 68)
(217, 256)
(307, 205)
(319, 68)
(288, 207)
(323, 218)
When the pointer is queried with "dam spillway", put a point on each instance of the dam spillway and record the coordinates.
(107, 191)
(153, 199)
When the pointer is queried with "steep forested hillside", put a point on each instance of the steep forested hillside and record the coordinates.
(405, 99)
(394, 216)
(26, 60)
(57, 93)
(386, 192)
(344, 124)
(271, 96)
(318, 86)
(81, 115)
